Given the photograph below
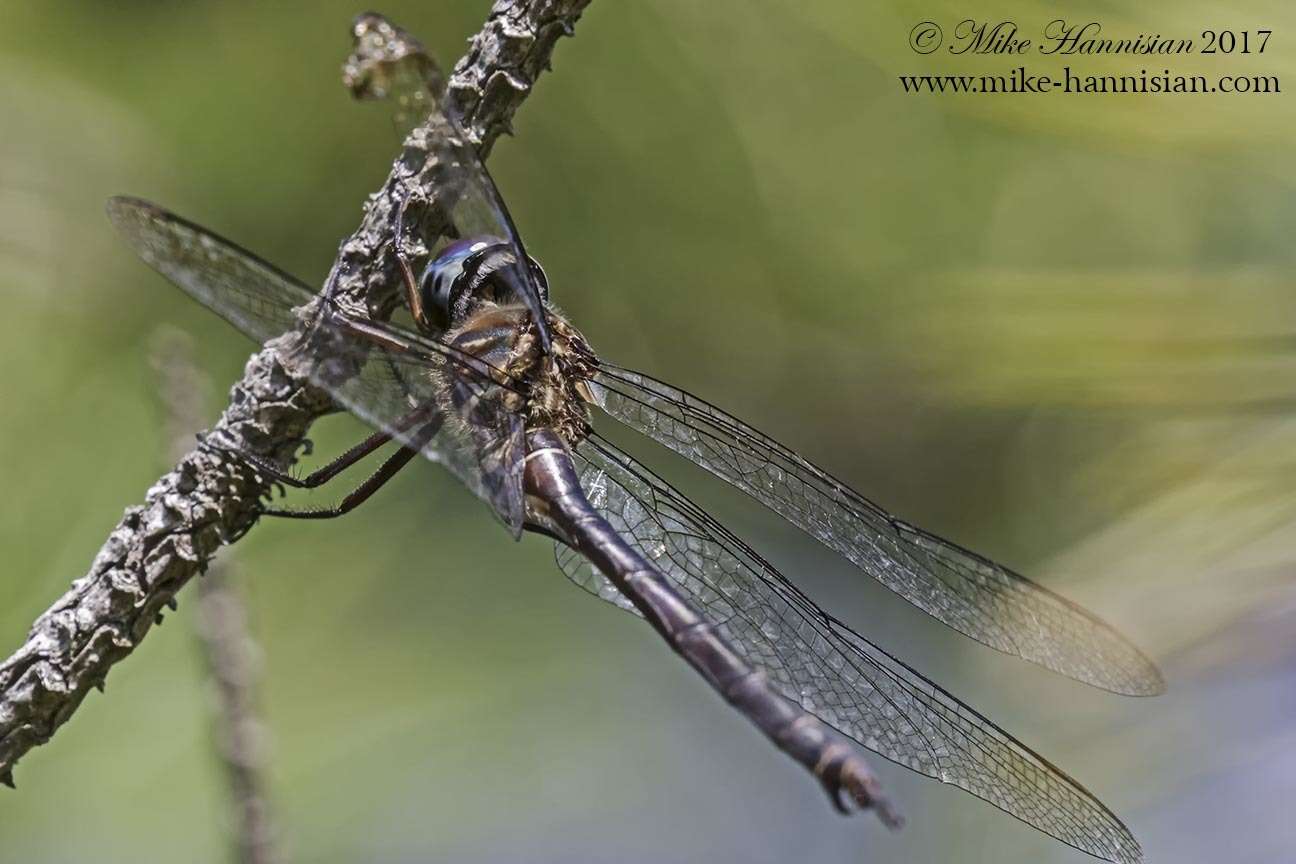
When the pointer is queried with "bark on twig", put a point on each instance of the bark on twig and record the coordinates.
(229, 650)
(210, 498)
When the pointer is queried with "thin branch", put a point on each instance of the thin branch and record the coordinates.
(241, 736)
(210, 498)
(229, 649)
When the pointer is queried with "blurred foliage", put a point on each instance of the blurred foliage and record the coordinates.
(1056, 328)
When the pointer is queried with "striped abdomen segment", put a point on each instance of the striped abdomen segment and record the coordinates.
(554, 488)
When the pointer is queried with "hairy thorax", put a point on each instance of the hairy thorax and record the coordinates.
(553, 394)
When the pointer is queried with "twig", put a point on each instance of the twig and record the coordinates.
(228, 647)
(210, 498)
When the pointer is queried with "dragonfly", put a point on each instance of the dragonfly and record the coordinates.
(492, 382)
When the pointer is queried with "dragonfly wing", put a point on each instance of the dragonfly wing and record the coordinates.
(484, 447)
(475, 208)
(395, 370)
(389, 63)
(979, 598)
(825, 666)
(248, 292)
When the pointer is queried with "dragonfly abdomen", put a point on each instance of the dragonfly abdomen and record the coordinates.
(556, 501)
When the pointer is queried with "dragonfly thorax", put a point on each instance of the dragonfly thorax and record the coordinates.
(551, 387)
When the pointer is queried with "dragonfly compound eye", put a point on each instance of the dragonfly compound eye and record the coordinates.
(470, 270)
(446, 276)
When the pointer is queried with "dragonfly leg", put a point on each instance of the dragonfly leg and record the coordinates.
(386, 471)
(335, 466)
(322, 475)
(562, 508)
(413, 297)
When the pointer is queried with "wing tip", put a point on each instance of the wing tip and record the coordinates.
(117, 204)
(1152, 679)
(1138, 676)
(1128, 850)
(1151, 683)
(121, 210)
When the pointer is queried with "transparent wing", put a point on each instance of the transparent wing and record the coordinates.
(387, 62)
(485, 443)
(469, 205)
(382, 373)
(832, 671)
(972, 594)
(255, 296)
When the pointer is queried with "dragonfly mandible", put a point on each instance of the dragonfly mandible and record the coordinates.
(496, 385)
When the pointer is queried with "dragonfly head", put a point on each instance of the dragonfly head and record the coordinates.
(470, 271)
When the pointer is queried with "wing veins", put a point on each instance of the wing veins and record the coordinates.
(1094, 829)
(823, 623)
(961, 588)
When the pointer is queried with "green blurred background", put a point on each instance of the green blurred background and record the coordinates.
(1058, 329)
